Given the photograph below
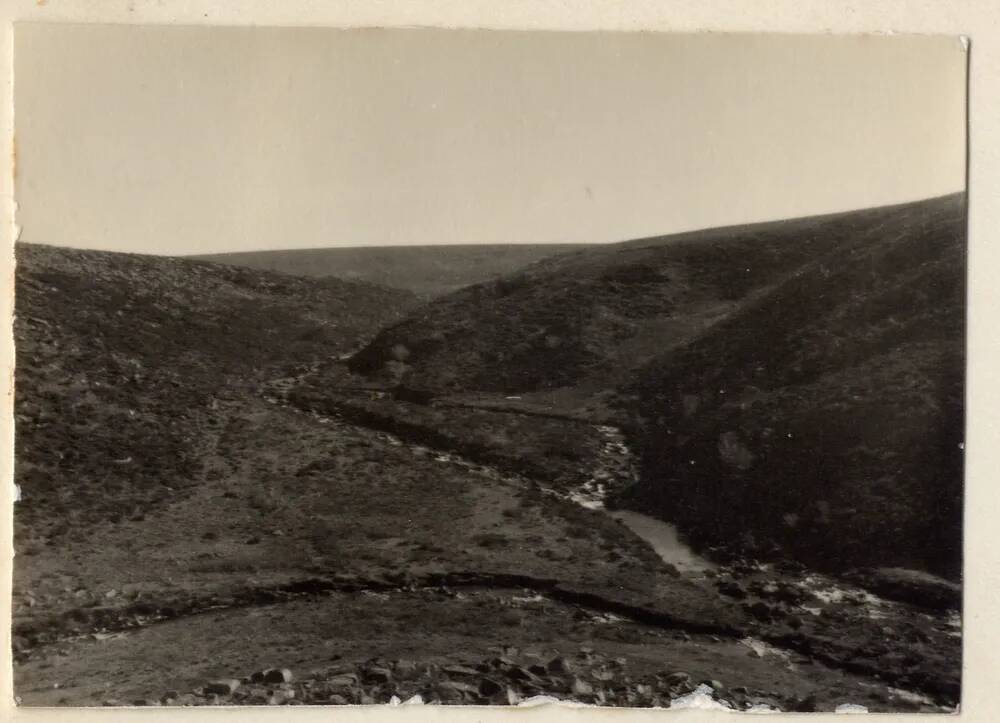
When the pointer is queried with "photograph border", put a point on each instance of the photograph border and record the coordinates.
(978, 20)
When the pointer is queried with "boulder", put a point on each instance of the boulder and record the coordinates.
(277, 675)
(910, 586)
(677, 678)
(225, 686)
(489, 687)
(559, 665)
(406, 669)
(459, 670)
(378, 675)
(581, 687)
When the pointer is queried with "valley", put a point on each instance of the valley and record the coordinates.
(557, 482)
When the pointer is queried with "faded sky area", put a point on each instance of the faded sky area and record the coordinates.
(200, 140)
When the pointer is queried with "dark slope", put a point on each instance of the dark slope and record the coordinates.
(424, 270)
(797, 383)
(594, 316)
(825, 417)
(115, 352)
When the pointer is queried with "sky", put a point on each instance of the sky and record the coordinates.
(182, 140)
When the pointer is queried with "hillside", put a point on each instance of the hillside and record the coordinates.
(425, 270)
(825, 417)
(593, 317)
(782, 380)
(211, 499)
(117, 353)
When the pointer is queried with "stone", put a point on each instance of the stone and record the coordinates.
(456, 691)
(406, 669)
(459, 670)
(343, 681)
(277, 675)
(377, 674)
(911, 586)
(677, 678)
(715, 685)
(732, 589)
(489, 687)
(226, 686)
(336, 699)
(559, 665)
(581, 687)
(516, 672)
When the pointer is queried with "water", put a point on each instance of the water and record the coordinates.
(616, 470)
(664, 539)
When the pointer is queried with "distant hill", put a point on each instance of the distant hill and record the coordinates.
(425, 270)
(593, 316)
(788, 383)
(116, 352)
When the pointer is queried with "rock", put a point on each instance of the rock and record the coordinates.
(455, 690)
(732, 589)
(804, 705)
(342, 681)
(581, 687)
(277, 675)
(559, 665)
(169, 697)
(489, 687)
(761, 611)
(406, 669)
(377, 674)
(280, 696)
(253, 540)
(715, 685)
(910, 586)
(226, 686)
(336, 700)
(459, 670)
(678, 678)
(516, 672)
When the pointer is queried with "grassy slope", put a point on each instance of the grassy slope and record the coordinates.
(827, 415)
(116, 355)
(425, 270)
(154, 468)
(592, 317)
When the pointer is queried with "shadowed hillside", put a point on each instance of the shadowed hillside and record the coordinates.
(117, 352)
(424, 270)
(827, 416)
(797, 383)
(594, 316)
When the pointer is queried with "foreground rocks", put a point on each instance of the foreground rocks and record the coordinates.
(509, 677)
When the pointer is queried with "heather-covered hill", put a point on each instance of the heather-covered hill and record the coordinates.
(827, 416)
(116, 352)
(797, 383)
(592, 317)
(425, 270)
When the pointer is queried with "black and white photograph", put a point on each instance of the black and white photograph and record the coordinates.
(489, 368)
